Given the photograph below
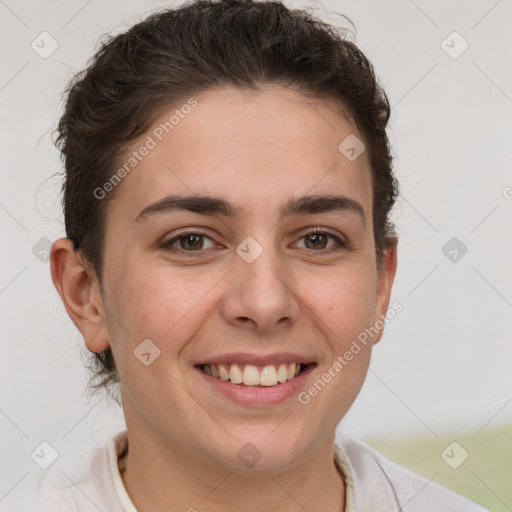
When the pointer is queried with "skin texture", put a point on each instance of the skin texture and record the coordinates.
(256, 150)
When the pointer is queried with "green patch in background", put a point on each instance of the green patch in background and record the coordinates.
(479, 468)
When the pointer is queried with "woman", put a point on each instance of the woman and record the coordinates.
(227, 199)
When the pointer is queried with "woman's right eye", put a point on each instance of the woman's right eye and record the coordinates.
(188, 242)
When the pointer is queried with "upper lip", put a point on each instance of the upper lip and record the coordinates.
(257, 359)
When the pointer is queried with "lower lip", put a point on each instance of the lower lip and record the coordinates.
(254, 395)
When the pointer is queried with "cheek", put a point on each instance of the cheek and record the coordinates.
(169, 299)
(346, 304)
(161, 304)
(350, 317)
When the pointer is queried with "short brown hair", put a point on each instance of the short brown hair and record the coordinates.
(176, 53)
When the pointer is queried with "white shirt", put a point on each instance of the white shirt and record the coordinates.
(90, 481)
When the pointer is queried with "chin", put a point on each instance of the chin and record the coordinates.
(265, 452)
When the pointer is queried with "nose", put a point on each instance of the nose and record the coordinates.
(260, 293)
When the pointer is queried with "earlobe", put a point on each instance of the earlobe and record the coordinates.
(79, 290)
(386, 276)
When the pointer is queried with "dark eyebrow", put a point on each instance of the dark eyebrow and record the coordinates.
(206, 205)
(322, 204)
(211, 205)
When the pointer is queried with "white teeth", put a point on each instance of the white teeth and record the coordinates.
(235, 374)
(268, 376)
(250, 375)
(223, 373)
(282, 373)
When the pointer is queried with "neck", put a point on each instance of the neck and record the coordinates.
(157, 478)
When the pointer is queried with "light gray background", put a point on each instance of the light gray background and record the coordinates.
(444, 363)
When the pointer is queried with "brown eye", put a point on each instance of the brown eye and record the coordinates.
(191, 242)
(318, 241)
(187, 242)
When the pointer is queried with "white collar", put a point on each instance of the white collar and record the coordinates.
(118, 444)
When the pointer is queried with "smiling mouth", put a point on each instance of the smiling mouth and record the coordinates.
(250, 375)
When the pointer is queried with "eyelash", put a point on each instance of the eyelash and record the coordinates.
(167, 244)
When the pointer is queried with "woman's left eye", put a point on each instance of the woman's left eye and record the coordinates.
(193, 241)
(318, 239)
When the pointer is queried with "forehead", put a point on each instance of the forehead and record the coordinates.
(255, 148)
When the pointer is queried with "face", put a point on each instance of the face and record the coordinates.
(246, 285)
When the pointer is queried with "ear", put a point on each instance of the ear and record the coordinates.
(80, 292)
(385, 277)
